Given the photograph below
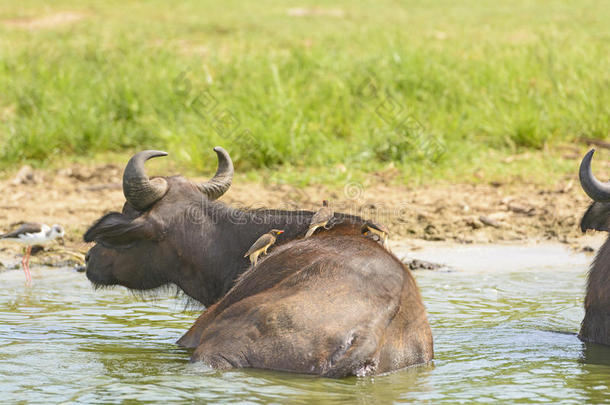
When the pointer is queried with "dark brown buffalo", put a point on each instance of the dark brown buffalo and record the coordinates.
(596, 324)
(173, 231)
(335, 304)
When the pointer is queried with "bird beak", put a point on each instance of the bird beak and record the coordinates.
(280, 232)
(61, 241)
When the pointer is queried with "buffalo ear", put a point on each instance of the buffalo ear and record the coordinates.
(115, 230)
(597, 217)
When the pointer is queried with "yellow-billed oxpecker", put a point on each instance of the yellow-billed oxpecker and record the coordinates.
(372, 229)
(320, 218)
(262, 244)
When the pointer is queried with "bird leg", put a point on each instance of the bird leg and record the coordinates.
(26, 264)
(29, 252)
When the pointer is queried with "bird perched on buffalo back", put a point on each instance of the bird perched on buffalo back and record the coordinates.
(262, 244)
(320, 218)
(379, 231)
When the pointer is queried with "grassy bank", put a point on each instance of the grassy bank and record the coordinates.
(436, 86)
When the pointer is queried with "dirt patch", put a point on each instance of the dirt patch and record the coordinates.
(465, 213)
(49, 21)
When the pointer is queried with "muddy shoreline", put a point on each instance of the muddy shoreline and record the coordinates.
(458, 213)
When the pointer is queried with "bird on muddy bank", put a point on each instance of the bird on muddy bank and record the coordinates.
(30, 234)
(320, 219)
(262, 244)
(376, 231)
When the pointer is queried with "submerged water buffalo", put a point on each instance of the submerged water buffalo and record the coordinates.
(596, 324)
(173, 231)
(335, 304)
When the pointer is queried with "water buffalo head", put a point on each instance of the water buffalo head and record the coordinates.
(153, 241)
(598, 215)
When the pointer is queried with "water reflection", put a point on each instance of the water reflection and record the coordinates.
(494, 341)
(596, 354)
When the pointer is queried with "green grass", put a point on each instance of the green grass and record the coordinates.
(475, 81)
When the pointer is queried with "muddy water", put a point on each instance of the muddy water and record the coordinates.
(495, 321)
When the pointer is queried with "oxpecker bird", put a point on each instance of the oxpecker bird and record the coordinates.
(262, 244)
(375, 230)
(320, 218)
(30, 234)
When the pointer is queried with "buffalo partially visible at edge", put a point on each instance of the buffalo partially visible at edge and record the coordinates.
(596, 324)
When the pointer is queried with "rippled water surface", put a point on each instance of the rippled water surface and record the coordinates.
(495, 322)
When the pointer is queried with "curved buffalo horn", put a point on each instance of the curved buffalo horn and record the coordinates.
(220, 183)
(594, 188)
(139, 190)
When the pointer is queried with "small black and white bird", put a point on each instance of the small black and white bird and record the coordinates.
(32, 233)
(262, 244)
(376, 231)
(320, 219)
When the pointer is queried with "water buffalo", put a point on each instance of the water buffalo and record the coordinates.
(173, 231)
(596, 324)
(335, 304)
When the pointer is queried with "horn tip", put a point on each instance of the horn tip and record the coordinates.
(147, 154)
(586, 160)
(219, 149)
